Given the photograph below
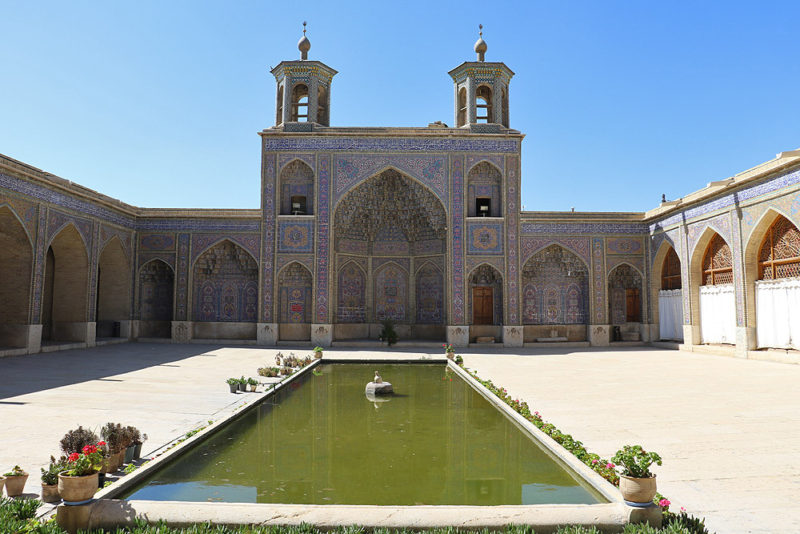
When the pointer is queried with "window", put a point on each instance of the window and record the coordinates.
(279, 107)
(483, 207)
(300, 103)
(462, 107)
(671, 271)
(298, 205)
(483, 105)
(779, 256)
(717, 263)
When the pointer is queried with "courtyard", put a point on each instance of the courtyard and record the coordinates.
(728, 429)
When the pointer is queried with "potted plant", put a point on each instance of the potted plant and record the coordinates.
(242, 384)
(138, 441)
(114, 437)
(75, 440)
(318, 352)
(79, 481)
(50, 479)
(15, 481)
(253, 383)
(233, 383)
(636, 483)
(269, 372)
(449, 350)
(387, 333)
(129, 433)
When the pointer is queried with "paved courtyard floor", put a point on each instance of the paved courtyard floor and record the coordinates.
(728, 429)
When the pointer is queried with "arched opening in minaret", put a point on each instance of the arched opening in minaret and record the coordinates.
(483, 104)
(300, 103)
(390, 242)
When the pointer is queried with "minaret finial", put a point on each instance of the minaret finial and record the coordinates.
(304, 45)
(480, 44)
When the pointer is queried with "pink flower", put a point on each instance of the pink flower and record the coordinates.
(663, 503)
(594, 462)
(683, 509)
(609, 465)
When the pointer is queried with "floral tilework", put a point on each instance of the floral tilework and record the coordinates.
(295, 236)
(350, 170)
(512, 217)
(323, 232)
(286, 158)
(624, 245)
(578, 245)
(598, 280)
(39, 266)
(201, 242)
(484, 237)
(268, 236)
(720, 224)
(394, 144)
(457, 223)
(182, 277)
(152, 242)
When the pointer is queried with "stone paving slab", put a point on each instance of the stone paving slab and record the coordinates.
(728, 429)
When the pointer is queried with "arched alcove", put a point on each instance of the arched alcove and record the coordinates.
(113, 289)
(65, 299)
(712, 291)
(300, 103)
(625, 297)
(484, 191)
(351, 305)
(555, 288)
(390, 293)
(156, 295)
(297, 189)
(772, 277)
(486, 296)
(294, 302)
(666, 290)
(16, 262)
(429, 294)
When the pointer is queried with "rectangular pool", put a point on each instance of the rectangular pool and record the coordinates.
(320, 440)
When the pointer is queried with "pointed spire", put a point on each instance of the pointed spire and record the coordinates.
(480, 44)
(304, 45)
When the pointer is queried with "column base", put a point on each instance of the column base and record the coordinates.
(34, 342)
(599, 335)
(458, 336)
(512, 336)
(181, 331)
(745, 340)
(321, 335)
(267, 334)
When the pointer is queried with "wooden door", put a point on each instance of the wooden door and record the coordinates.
(482, 305)
(632, 306)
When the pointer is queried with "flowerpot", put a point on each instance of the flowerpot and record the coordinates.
(318, 355)
(234, 387)
(253, 388)
(243, 387)
(50, 493)
(15, 484)
(137, 451)
(101, 480)
(451, 355)
(120, 459)
(128, 454)
(638, 490)
(77, 489)
(2, 484)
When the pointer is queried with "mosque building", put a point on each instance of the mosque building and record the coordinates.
(422, 226)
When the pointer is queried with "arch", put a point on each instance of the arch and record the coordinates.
(351, 188)
(16, 266)
(555, 287)
(113, 288)
(296, 186)
(300, 103)
(462, 107)
(156, 297)
(667, 295)
(225, 284)
(484, 105)
(711, 241)
(295, 286)
(484, 188)
(65, 298)
(351, 301)
(625, 294)
(488, 277)
(323, 105)
(390, 293)
(279, 107)
(429, 294)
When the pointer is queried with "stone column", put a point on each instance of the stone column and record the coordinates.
(512, 336)
(322, 335)
(471, 111)
(267, 334)
(599, 335)
(181, 331)
(34, 338)
(287, 101)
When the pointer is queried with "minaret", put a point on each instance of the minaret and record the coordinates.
(481, 90)
(304, 90)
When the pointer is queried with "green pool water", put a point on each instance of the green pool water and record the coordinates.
(321, 441)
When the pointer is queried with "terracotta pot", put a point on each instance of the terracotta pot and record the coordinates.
(318, 354)
(15, 484)
(77, 489)
(639, 490)
(50, 493)
(120, 459)
(451, 355)
(2, 483)
(253, 388)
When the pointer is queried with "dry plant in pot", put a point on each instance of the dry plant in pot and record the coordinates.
(50, 479)
(636, 483)
(15, 481)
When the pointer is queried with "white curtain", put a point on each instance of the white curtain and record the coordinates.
(718, 314)
(778, 313)
(670, 314)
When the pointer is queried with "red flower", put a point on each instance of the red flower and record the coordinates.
(89, 449)
(74, 457)
(101, 443)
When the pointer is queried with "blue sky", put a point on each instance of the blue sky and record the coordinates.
(158, 103)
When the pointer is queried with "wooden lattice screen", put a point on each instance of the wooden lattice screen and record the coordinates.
(717, 263)
(780, 252)
(671, 271)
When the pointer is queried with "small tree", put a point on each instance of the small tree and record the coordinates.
(388, 334)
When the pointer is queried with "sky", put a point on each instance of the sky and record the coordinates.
(158, 103)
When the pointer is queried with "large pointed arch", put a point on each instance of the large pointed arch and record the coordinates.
(719, 309)
(555, 287)
(485, 277)
(16, 266)
(625, 298)
(295, 287)
(225, 284)
(66, 281)
(666, 292)
(484, 190)
(113, 288)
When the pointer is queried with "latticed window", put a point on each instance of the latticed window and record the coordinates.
(717, 263)
(671, 271)
(780, 252)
